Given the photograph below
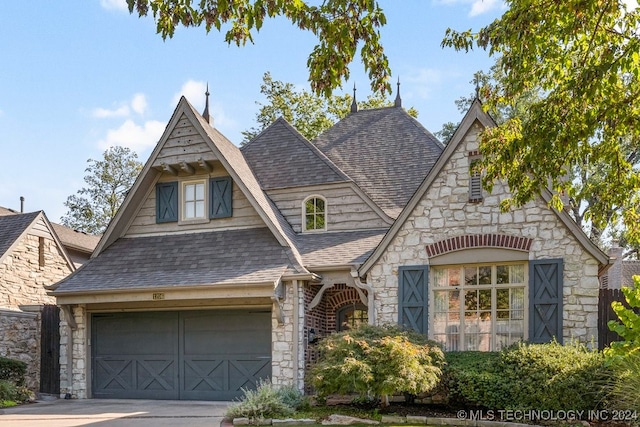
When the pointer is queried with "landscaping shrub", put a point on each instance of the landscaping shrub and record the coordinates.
(267, 401)
(12, 370)
(376, 361)
(8, 390)
(627, 325)
(529, 376)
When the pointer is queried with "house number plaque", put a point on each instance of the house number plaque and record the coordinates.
(158, 295)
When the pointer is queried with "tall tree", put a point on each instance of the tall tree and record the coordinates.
(339, 25)
(310, 114)
(107, 183)
(584, 55)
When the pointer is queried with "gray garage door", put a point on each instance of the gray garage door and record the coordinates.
(193, 355)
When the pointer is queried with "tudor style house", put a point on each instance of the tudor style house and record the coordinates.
(224, 264)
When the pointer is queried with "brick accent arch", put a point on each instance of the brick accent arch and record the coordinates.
(468, 241)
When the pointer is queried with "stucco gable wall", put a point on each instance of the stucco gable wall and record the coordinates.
(444, 211)
(22, 279)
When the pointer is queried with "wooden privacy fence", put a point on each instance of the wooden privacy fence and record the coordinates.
(605, 314)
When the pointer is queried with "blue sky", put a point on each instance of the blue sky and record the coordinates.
(78, 76)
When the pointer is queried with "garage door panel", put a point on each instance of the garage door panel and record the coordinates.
(208, 355)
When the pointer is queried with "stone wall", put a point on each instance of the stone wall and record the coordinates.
(27, 270)
(73, 368)
(20, 340)
(445, 211)
(285, 368)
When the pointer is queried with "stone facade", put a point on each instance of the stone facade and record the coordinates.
(73, 368)
(445, 211)
(27, 269)
(20, 340)
(287, 354)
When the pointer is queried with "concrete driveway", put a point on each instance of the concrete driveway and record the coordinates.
(118, 413)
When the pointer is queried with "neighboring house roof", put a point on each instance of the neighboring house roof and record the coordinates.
(77, 240)
(14, 226)
(281, 157)
(182, 260)
(385, 151)
(475, 113)
(630, 268)
(70, 238)
(339, 248)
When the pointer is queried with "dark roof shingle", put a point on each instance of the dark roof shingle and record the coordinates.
(339, 248)
(281, 157)
(230, 257)
(12, 226)
(385, 151)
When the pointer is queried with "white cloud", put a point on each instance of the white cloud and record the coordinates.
(104, 113)
(483, 6)
(422, 82)
(193, 91)
(138, 104)
(114, 4)
(134, 136)
(478, 7)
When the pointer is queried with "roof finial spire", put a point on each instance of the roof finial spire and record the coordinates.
(398, 102)
(354, 103)
(205, 113)
(476, 79)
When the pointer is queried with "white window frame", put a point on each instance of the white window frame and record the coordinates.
(183, 201)
(304, 214)
(494, 286)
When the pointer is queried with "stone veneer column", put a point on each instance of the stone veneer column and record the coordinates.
(73, 384)
(283, 368)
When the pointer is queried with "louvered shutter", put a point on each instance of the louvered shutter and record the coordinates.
(413, 297)
(545, 300)
(167, 202)
(221, 197)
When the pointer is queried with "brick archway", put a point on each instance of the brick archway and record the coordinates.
(468, 241)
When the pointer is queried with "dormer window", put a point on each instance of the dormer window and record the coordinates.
(314, 214)
(193, 200)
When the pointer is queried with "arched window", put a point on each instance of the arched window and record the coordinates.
(351, 316)
(314, 212)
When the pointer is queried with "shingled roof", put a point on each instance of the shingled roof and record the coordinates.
(12, 227)
(73, 239)
(281, 157)
(349, 247)
(385, 151)
(177, 260)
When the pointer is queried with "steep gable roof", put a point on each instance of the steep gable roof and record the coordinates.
(74, 239)
(235, 164)
(15, 226)
(281, 157)
(385, 151)
(473, 115)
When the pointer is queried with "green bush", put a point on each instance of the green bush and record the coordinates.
(528, 376)
(377, 361)
(8, 390)
(267, 401)
(627, 325)
(12, 370)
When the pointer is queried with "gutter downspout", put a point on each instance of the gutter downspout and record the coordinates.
(370, 294)
(72, 326)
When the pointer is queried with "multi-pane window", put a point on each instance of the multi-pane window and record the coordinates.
(193, 200)
(352, 316)
(315, 214)
(478, 307)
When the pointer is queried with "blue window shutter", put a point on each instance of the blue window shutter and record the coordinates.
(545, 300)
(221, 190)
(413, 297)
(167, 202)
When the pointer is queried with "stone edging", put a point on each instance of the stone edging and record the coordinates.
(386, 419)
